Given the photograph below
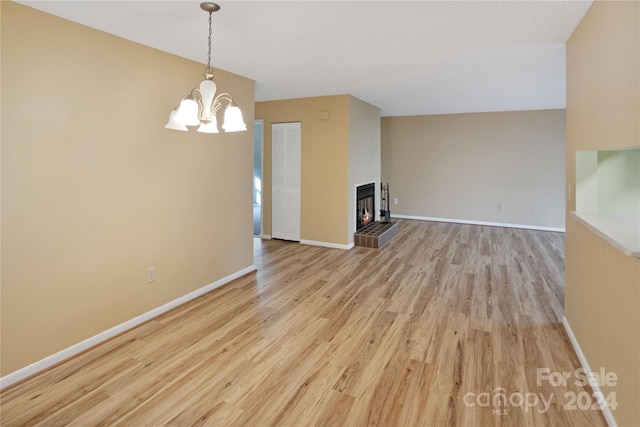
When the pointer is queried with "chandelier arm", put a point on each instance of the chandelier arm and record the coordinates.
(197, 96)
(195, 93)
(224, 96)
(217, 101)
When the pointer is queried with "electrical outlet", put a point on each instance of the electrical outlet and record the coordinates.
(395, 200)
(500, 207)
(151, 274)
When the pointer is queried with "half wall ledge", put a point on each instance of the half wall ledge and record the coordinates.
(622, 231)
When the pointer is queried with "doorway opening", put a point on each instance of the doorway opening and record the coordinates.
(258, 137)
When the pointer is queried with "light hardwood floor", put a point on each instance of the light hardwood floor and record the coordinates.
(429, 330)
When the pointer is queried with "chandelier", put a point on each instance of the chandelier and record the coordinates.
(200, 107)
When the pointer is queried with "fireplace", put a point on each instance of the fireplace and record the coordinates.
(369, 233)
(365, 204)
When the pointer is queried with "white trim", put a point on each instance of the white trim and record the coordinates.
(491, 224)
(68, 352)
(327, 244)
(266, 236)
(608, 415)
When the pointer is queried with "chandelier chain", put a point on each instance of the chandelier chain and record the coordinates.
(209, 53)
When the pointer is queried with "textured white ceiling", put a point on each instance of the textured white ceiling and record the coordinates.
(406, 57)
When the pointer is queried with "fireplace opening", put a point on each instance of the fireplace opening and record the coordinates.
(365, 205)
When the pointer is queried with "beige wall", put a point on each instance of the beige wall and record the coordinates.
(364, 154)
(324, 163)
(95, 190)
(602, 286)
(461, 166)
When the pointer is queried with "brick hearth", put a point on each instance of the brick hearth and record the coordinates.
(375, 235)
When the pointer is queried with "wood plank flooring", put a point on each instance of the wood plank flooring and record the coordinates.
(444, 326)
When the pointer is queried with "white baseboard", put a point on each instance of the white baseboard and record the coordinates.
(327, 244)
(491, 224)
(608, 415)
(68, 352)
(266, 236)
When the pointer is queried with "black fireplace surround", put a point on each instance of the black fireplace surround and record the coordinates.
(365, 204)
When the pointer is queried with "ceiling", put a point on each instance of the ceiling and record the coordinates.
(406, 57)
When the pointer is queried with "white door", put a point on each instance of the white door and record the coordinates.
(285, 181)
